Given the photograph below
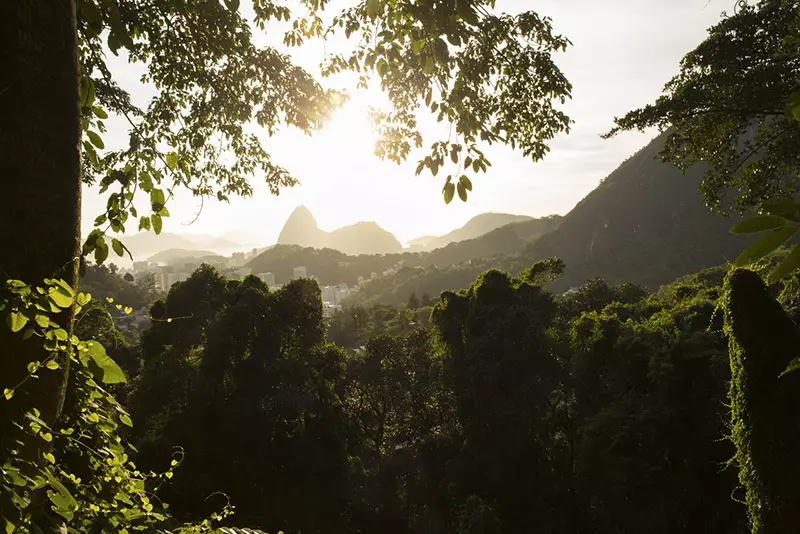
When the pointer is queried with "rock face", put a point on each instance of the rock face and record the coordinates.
(361, 238)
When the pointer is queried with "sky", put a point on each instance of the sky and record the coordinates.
(623, 52)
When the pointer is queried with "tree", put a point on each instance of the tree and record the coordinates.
(732, 107)
(205, 99)
(413, 301)
(41, 157)
(765, 402)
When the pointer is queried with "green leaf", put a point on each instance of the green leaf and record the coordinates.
(462, 191)
(449, 192)
(101, 252)
(157, 197)
(95, 139)
(84, 298)
(467, 183)
(794, 365)
(783, 207)
(63, 500)
(172, 162)
(793, 109)
(124, 419)
(108, 368)
(441, 50)
(233, 5)
(765, 245)
(99, 113)
(373, 6)
(117, 246)
(16, 321)
(788, 265)
(144, 223)
(8, 393)
(758, 224)
(156, 220)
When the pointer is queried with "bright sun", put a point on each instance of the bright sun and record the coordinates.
(350, 129)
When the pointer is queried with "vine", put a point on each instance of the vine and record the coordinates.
(76, 473)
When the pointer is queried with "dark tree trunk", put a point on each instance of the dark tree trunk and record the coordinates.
(40, 168)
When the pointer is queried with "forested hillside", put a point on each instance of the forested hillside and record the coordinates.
(645, 223)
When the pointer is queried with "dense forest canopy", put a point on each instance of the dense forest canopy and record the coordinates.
(498, 405)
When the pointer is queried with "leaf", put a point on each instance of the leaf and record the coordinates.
(52, 365)
(449, 192)
(63, 500)
(95, 139)
(467, 183)
(128, 310)
(765, 245)
(60, 299)
(441, 50)
(233, 5)
(117, 246)
(8, 393)
(156, 220)
(125, 420)
(110, 371)
(462, 191)
(373, 6)
(84, 298)
(788, 265)
(794, 365)
(793, 109)
(144, 223)
(172, 161)
(101, 252)
(758, 224)
(16, 321)
(783, 207)
(99, 113)
(157, 197)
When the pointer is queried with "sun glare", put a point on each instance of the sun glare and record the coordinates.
(351, 130)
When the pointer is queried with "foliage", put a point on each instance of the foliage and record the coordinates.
(764, 403)
(78, 473)
(732, 107)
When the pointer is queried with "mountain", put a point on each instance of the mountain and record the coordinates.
(176, 255)
(145, 244)
(475, 227)
(361, 238)
(645, 223)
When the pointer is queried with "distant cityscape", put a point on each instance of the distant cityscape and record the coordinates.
(234, 267)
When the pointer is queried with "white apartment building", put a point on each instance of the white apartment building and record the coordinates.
(299, 272)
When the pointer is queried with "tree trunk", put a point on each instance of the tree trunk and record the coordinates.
(40, 166)
(765, 407)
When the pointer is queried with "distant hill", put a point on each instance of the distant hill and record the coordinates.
(145, 244)
(333, 266)
(645, 223)
(361, 238)
(475, 227)
(175, 255)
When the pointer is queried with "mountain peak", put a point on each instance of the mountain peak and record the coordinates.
(364, 237)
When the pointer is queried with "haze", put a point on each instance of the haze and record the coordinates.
(623, 53)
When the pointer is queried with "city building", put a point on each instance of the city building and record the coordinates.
(267, 278)
(139, 266)
(299, 272)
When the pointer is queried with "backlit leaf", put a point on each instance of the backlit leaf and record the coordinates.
(788, 265)
(16, 321)
(758, 224)
(765, 245)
